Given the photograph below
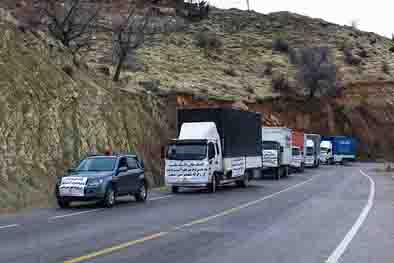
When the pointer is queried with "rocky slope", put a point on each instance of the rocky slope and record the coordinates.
(52, 114)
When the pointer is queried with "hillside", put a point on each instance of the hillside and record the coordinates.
(236, 69)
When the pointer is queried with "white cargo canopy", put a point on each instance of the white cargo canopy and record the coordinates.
(198, 131)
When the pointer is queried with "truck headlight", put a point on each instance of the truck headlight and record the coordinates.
(95, 182)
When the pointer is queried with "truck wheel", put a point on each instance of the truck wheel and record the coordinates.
(63, 203)
(244, 182)
(286, 171)
(110, 197)
(278, 173)
(142, 193)
(212, 186)
(175, 189)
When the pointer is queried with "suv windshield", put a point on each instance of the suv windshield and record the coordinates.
(309, 151)
(97, 165)
(187, 152)
(268, 145)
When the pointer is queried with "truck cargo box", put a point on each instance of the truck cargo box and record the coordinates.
(343, 147)
(298, 139)
(240, 131)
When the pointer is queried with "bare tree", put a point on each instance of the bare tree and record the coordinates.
(317, 72)
(69, 21)
(132, 30)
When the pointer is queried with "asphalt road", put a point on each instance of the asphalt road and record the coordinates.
(332, 213)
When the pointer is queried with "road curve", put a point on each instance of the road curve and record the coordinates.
(302, 218)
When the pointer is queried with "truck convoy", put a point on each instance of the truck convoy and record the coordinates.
(215, 146)
(338, 149)
(312, 150)
(298, 157)
(277, 150)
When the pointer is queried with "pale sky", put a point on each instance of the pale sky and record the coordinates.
(374, 16)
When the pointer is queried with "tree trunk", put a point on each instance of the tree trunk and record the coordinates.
(118, 69)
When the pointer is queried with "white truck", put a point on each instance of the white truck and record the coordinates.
(215, 146)
(277, 150)
(326, 155)
(312, 150)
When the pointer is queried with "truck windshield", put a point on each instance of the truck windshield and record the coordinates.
(309, 151)
(187, 152)
(97, 165)
(296, 151)
(268, 145)
(324, 149)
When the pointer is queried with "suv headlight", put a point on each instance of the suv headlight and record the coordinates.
(95, 182)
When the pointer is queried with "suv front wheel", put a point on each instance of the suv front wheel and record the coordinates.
(110, 197)
(142, 193)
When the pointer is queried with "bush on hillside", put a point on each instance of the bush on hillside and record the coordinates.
(391, 49)
(350, 58)
(208, 41)
(386, 68)
(280, 45)
(280, 83)
(317, 72)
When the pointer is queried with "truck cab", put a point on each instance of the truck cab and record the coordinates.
(193, 158)
(297, 160)
(310, 154)
(326, 153)
(277, 149)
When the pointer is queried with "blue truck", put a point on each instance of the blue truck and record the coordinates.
(338, 149)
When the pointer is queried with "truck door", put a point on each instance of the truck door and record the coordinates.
(218, 159)
(213, 162)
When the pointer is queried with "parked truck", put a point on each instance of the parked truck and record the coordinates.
(277, 150)
(326, 156)
(312, 150)
(298, 157)
(343, 148)
(215, 146)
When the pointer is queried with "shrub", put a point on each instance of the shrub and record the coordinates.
(268, 69)
(208, 40)
(350, 58)
(230, 71)
(386, 68)
(317, 72)
(280, 83)
(363, 53)
(293, 56)
(197, 11)
(280, 45)
(391, 49)
(68, 70)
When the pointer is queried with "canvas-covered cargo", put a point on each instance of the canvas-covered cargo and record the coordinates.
(239, 131)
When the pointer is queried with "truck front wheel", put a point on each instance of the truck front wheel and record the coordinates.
(244, 182)
(175, 189)
(212, 186)
(278, 173)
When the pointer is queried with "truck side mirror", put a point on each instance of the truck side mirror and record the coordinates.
(142, 164)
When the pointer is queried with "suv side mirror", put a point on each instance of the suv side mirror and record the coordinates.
(122, 169)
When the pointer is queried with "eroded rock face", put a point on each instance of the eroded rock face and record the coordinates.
(50, 120)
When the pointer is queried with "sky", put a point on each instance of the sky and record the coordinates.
(373, 16)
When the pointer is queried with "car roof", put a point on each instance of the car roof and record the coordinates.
(111, 156)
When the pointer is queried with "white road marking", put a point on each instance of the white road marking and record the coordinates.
(9, 226)
(100, 209)
(246, 205)
(161, 197)
(75, 214)
(338, 252)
